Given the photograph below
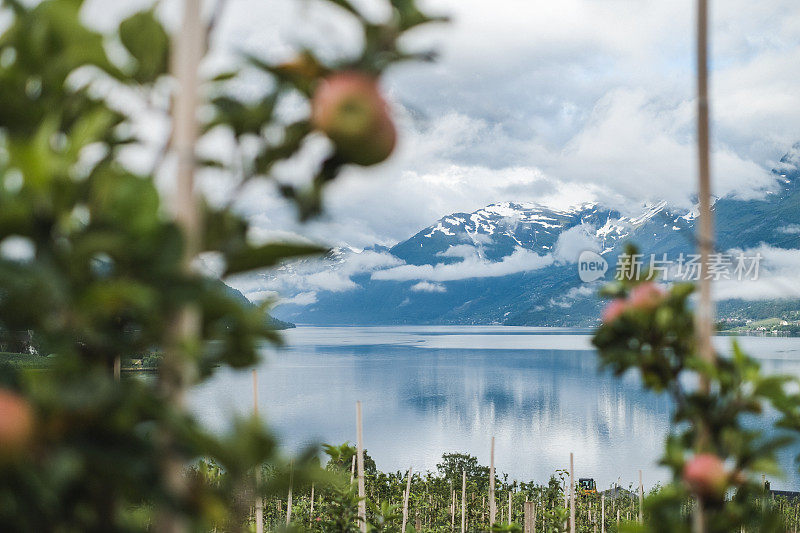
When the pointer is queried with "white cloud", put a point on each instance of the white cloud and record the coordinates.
(581, 291)
(575, 240)
(426, 286)
(791, 229)
(304, 298)
(332, 274)
(778, 276)
(472, 266)
(551, 102)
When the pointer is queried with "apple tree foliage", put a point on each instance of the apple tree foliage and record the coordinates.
(91, 262)
(743, 419)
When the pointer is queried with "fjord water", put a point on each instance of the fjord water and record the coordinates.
(433, 389)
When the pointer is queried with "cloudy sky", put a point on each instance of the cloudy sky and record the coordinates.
(551, 102)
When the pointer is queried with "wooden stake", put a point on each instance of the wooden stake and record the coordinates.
(571, 494)
(453, 512)
(492, 503)
(641, 499)
(311, 512)
(698, 520)
(530, 518)
(289, 498)
(259, 499)
(188, 47)
(463, 501)
(705, 311)
(362, 503)
(603, 513)
(405, 500)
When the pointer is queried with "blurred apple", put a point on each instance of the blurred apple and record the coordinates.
(646, 296)
(613, 310)
(706, 475)
(349, 108)
(16, 423)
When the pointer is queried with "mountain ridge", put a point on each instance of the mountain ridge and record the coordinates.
(513, 263)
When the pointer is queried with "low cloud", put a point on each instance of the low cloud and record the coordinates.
(304, 298)
(568, 298)
(575, 240)
(427, 286)
(472, 266)
(791, 229)
(304, 279)
(778, 276)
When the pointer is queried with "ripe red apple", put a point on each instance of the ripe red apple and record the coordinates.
(646, 296)
(706, 475)
(613, 310)
(16, 423)
(349, 108)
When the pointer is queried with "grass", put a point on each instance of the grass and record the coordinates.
(767, 322)
(23, 360)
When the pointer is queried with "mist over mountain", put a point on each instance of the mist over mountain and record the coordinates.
(515, 263)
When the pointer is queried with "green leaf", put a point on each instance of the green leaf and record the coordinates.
(147, 41)
(267, 255)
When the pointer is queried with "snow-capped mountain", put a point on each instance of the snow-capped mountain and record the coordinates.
(514, 263)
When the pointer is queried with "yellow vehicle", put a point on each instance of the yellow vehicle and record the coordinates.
(586, 485)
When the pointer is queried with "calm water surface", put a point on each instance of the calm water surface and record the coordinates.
(432, 389)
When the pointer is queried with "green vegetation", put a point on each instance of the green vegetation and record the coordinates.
(780, 317)
(713, 448)
(98, 268)
(435, 500)
(101, 271)
(23, 360)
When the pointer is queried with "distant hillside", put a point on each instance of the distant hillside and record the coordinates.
(271, 320)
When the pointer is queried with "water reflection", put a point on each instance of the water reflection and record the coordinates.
(428, 390)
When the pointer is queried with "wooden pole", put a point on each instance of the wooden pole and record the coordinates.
(641, 499)
(698, 520)
(509, 507)
(362, 503)
(405, 500)
(188, 47)
(463, 501)
(530, 517)
(453, 512)
(289, 498)
(259, 499)
(603, 513)
(311, 512)
(352, 469)
(571, 493)
(705, 310)
(492, 503)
